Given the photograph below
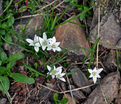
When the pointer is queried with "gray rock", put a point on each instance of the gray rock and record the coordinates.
(1, 10)
(110, 28)
(108, 89)
(33, 26)
(80, 79)
(110, 61)
(77, 94)
(11, 49)
(3, 101)
(71, 35)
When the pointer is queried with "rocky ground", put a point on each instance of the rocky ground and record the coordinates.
(78, 88)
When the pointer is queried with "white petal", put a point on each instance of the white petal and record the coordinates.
(54, 68)
(37, 44)
(54, 39)
(62, 79)
(48, 67)
(94, 79)
(57, 43)
(36, 38)
(53, 76)
(36, 49)
(43, 48)
(62, 74)
(54, 49)
(90, 70)
(98, 76)
(99, 70)
(44, 36)
(91, 76)
(59, 69)
(58, 49)
(95, 69)
(49, 48)
(41, 40)
(29, 41)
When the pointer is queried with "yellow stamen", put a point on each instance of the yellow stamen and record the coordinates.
(53, 46)
(93, 73)
(44, 43)
(53, 72)
(58, 75)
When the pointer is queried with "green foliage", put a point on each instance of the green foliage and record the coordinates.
(71, 1)
(6, 23)
(22, 78)
(5, 71)
(4, 84)
(15, 57)
(33, 71)
(3, 55)
(66, 64)
(85, 10)
(62, 101)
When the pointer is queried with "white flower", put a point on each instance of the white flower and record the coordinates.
(60, 75)
(53, 45)
(53, 72)
(56, 72)
(34, 43)
(44, 41)
(94, 74)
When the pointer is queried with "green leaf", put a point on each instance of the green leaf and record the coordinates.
(10, 21)
(22, 78)
(67, 0)
(3, 55)
(0, 62)
(15, 57)
(55, 97)
(2, 32)
(4, 25)
(10, 65)
(2, 70)
(64, 101)
(8, 37)
(4, 84)
(33, 70)
(1, 43)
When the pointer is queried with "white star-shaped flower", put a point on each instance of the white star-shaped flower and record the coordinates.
(34, 42)
(44, 41)
(53, 45)
(60, 75)
(94, 74)
(53, 72)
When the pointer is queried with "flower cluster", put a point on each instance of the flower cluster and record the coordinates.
(49, 44)
(56, 72)
(94, 74)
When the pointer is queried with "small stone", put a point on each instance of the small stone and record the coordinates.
(77, 94)
(71, 35)
(1, 5)
(108, 89)
(80, 79)
(3, 101)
